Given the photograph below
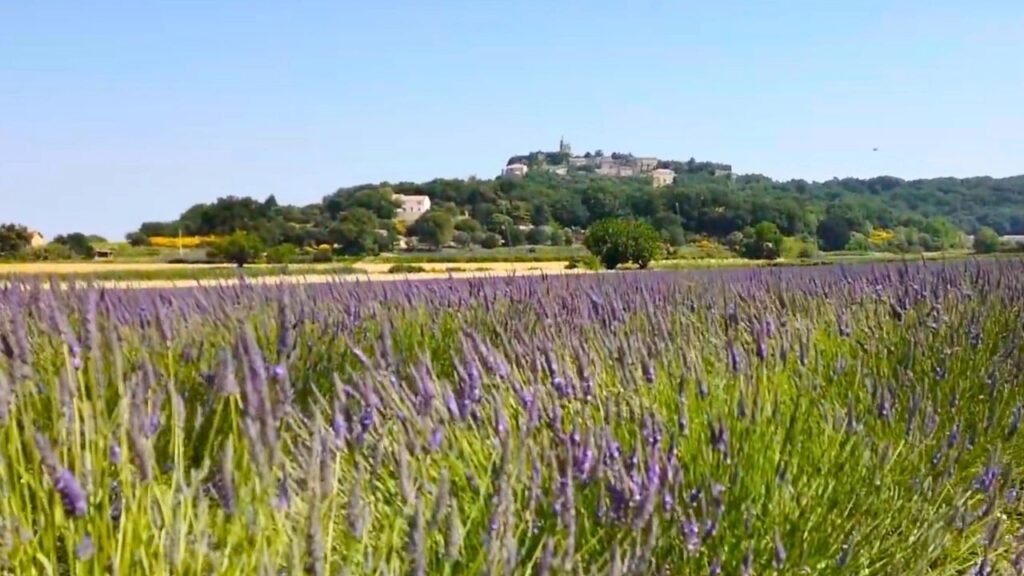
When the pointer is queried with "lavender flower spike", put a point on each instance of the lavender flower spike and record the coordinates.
(72, 496)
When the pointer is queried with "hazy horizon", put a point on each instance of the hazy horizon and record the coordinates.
(115, 113)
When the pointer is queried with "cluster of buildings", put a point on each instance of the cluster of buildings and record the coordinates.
(616, 165)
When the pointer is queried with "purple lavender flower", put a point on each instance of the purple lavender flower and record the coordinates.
(954, 437)
(72, 496)
(986, 480)
(691, 535)
(435, 438)
(779, 559)
(84, 549)
(1015, 416)
(844, 556)
(114, 453)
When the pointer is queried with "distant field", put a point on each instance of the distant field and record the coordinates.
(387, 267)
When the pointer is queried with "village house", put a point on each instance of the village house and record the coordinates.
(516, 170)
(663, 177)
(36, 239)
(412, 207)
(643, 165)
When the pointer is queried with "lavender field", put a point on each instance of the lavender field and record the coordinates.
(773, 421)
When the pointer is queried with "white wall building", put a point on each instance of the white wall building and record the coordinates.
(412, 207)
(663, 177)
(516, 170)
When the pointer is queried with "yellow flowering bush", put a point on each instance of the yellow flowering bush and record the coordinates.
(183, 242)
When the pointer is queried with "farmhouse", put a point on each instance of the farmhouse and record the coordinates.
(516, 170)
(663, 177)
(36, 239)
(412, 207)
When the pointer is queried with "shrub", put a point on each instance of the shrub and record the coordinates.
(763, 242)
(322, 256)
(618, 241)
(435, 228)
(137, 239)
(52, 252)
(986, 241)
(462, 239)
(240, 248)
(803, 248)
(539, 236)
(490, 241)
(858, 243)
(588, 262)
(406, 269)
(282, 254)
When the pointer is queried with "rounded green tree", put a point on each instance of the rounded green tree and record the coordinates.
(986, 241)
(616, 241)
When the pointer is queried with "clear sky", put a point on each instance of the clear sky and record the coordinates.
(112, 113)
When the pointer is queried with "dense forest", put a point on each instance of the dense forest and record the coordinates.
(697, 204)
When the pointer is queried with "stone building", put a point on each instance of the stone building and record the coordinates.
(412, 207)
(663, 177)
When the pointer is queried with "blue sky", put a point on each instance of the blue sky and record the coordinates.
(112, 113)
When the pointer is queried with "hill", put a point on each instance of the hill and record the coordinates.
(693, 204)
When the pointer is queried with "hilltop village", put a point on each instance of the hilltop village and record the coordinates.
(617, 165)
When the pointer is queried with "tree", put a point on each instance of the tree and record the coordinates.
(499, 224)
(241, 248)
(435, 228)
(137, 239)
(617, 241)
(78, 243)
(943, 235)
(14, 238)
(764, 242)
(378, 200)
(834, 233)
(986, 241)
(282, 253)
(355, 233)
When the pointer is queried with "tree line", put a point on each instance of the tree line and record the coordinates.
(543, 208)
(923, 214)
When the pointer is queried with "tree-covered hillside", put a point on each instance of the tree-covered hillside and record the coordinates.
(695, 204)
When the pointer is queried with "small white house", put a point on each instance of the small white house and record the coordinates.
(516, 170)
(663, 177)
(412, 207)
(36, 239)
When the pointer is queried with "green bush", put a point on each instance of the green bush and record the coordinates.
(78, 243)
(762, 242)
(490, 241)
(240, 248)
(588, 262)
(799, 248)
(406, 269)
(282, 254)
(986, 241)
